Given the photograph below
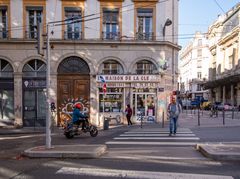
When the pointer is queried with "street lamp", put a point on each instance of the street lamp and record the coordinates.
(167, 23)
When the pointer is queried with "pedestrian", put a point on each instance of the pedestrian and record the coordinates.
(174, 109)
(128, 112)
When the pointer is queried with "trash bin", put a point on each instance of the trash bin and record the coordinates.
(105, 124)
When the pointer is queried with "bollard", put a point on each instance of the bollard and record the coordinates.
(217, 113)
(223, 117)
(163, 119)
(232, 113)
(141, 120)
(105, 124)
(198, 117)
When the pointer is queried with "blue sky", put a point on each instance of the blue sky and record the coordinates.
(197, 15)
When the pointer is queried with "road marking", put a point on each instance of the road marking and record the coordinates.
(154, 135)
(156, 132)
(156, 138)
(151, 143)
(101, 172)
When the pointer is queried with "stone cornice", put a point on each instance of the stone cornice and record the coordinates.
(230, 36)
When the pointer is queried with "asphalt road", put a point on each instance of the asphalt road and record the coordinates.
(132, 153)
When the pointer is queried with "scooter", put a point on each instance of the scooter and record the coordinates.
(71, 130)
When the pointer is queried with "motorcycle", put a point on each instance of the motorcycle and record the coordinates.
(70, 129)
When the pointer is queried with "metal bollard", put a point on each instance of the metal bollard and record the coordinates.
(232, 113)
(163, 119)
(198, 117)
(223, 117)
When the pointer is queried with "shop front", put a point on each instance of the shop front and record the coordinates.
(140, 91)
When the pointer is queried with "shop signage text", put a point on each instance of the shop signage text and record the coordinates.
(129, 78)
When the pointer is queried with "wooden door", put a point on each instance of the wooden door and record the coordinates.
(70, 89)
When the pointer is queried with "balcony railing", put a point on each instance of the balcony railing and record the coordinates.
(31, 34)
(110, 35)
(3, 34)
(73, 35)
(144, 36)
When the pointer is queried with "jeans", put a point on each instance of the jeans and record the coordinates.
(173, 125)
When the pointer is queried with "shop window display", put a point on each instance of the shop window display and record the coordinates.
(111, 101)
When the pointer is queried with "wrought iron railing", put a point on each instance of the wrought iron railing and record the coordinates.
(144, 36)
(110, 35)
(74, 35)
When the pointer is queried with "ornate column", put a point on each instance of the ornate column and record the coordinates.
(18, 104)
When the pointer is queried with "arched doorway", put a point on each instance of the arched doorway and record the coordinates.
(73, 85)
(34, 93)
(6, 93)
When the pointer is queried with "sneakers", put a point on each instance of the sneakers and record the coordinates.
(170, 134)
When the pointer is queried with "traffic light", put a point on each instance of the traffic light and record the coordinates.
(40, 40)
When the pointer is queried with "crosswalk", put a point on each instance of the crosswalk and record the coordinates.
(184, 137)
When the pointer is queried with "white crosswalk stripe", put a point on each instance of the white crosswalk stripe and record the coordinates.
(184, 137)
(104, 172)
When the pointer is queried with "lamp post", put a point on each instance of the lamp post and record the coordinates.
(167, 23)
(48, 112)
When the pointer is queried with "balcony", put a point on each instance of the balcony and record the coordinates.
(73, 35)
(144, 36)
(110, 35)
(31, 34)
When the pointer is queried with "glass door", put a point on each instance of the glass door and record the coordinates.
(41, 107)
(34, 112)
(144, 104)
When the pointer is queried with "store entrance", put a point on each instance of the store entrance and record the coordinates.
(34, 112)
(73, 86)
(144, 104)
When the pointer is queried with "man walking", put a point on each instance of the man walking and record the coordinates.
(173, 112)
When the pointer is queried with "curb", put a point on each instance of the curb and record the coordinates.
(220, 152)
(67, 151)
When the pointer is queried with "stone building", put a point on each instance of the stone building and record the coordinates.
(224, 67)
(194, 58)
(130, 45)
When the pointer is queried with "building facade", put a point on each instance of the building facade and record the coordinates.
(193, 65)
(224, 69)
(130, 46)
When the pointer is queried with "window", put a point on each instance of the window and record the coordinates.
(34, 15)
(199, 87)
(112, 67)
(199, 53)
(144, 24)
(112, 101)
(6, 69)
(199, 64)
(199, 75)
(73, 28)
(145, 67)
(3, 22)
(34, 68)
(199, 42)
(110, 23)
